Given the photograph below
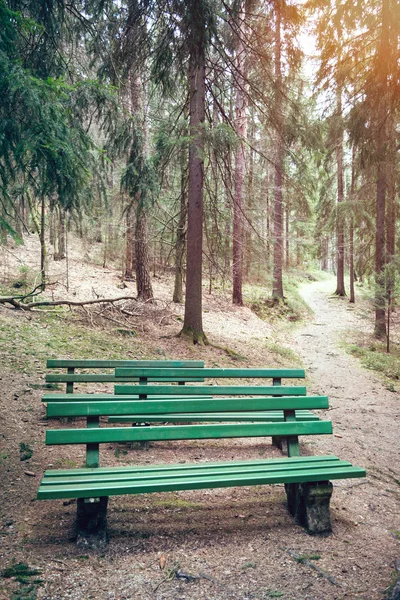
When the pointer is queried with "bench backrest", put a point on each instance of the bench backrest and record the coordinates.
(152, 366)
(147, 391)
(95, 406)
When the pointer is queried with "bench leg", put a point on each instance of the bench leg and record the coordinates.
(293, 497)
(313, 507)
(309, 505)
(92, 522)
(281, 443)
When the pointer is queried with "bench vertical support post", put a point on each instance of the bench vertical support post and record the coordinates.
(92, 450)
(143, 445)
(70, 384)
(276, 439)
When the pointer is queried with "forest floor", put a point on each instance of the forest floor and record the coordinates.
(238, 543)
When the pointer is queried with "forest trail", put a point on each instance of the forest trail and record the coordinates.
(362, 408)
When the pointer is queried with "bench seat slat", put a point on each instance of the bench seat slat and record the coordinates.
(288, 472)
(125, 407)
(139, 476)
(269, 416)
(215, 373)
(220, 390)
(183, 467)
(185, 432)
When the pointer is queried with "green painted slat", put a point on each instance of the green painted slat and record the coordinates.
(82, 398)
(151, 407)
(185, 432)
(192, 467)
(213, 390)
(110, 377)
(139, 476)
(218, 373)
(190, 483)
(112, 364)
(167, 468)
(270, 416)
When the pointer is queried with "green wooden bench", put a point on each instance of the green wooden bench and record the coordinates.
(71, 376)
(306, 479)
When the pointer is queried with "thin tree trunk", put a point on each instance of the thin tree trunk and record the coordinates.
(381, 185)
(143, 281)
(351, 232)
(43, 250)
(325, 254)
(340, 288)
(287, 235)
(240, 158)
(61, 233)
(193, 320)
(277, 289)
(181, 235)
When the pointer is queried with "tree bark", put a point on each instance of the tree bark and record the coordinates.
(277, 289)
(193, 320)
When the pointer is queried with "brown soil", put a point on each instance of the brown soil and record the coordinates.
(238, 543)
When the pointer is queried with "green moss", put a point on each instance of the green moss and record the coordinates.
(25, 451)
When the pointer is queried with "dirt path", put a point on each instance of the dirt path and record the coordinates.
(366, 418)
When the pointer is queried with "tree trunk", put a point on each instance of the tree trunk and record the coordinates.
(277, 289)
(43, 250)
(181, 236)
(287, 235)
(193, 320)
(143, 281)
(240, 157)
(61, 234)
(340, 288)
(129, 243)
(325, 254)
(351, 232)
(381, 184)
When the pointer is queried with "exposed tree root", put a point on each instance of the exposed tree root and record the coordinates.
(17, 302)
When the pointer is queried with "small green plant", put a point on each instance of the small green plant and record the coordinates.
(303, 557)
(249, 565)
(21, 572)
(25, 451)
(395, 533)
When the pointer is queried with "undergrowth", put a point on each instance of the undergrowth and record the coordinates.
(46, 335)
(291, 309)
(373, 355)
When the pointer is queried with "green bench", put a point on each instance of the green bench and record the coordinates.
(306, 479)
